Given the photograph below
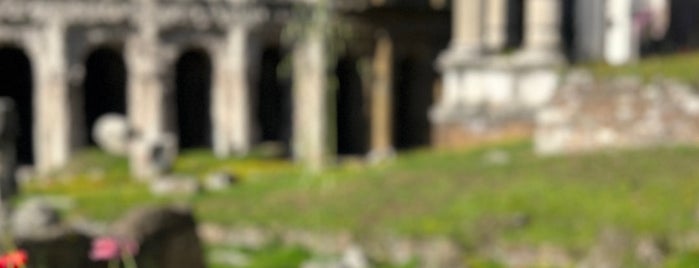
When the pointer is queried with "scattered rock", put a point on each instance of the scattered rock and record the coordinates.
(219, 181)
(35, 218)
(166, 237)
(229, 257)
(611, 251)
(322, 244)
(354, 257)
(153, 156)
(168, 185)
(587, 115)
(650, 252)
(38, 229)
(111, 133)
(440, 252)
(536, 256)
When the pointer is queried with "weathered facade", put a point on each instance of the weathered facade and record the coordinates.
(228, 75)
(209, 72)
(505, 56)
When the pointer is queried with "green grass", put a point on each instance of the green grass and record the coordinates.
(564, 201)
(680, 66)
(273, 256)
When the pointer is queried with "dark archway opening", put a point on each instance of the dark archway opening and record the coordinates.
(681, 35)
(568, 25)
(351, 115)
(274, 100)
(412, 97)
(16, 83)
(193, 87)
(515, 24)
(104, 86)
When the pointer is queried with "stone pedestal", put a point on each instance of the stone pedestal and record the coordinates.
(310, 122)
(231, 96)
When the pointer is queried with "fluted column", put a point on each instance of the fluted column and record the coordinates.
(542, 40)
(231, 96)
(467, 26)
(52, 134)
(310, 137)
(496, 25)
(381, 99)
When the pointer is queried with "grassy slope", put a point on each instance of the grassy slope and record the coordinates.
(681, 66)
(561, 200)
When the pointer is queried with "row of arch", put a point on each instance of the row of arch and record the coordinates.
(104, 91)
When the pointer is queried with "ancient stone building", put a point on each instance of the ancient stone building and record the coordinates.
(219, 75)
(505, 56)
(230, 74)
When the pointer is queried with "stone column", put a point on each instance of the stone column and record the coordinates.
(310, 138)
(231, 96)
(542, 39)
(146, 90)
(619, 36)
(146, 95)
(496, 25)
(467, 25)
(461, 59)
(52, 136)
(381, 99)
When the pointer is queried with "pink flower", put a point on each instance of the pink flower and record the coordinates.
(14, 259)
(110, 248)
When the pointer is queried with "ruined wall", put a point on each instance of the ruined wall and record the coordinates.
(586, 115)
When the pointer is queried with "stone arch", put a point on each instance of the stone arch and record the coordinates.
(412, 97)
(193, 80)
(16, 82)
(104, 86)
(274, 99)
(351, 114)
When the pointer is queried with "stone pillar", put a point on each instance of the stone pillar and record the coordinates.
(52, 136)
(496, 25)
(381, 99)
(231, 95)
(146, 91)
(461, 58)
(542, 37)
(310, 138)
(467, 26)
(619, 36)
